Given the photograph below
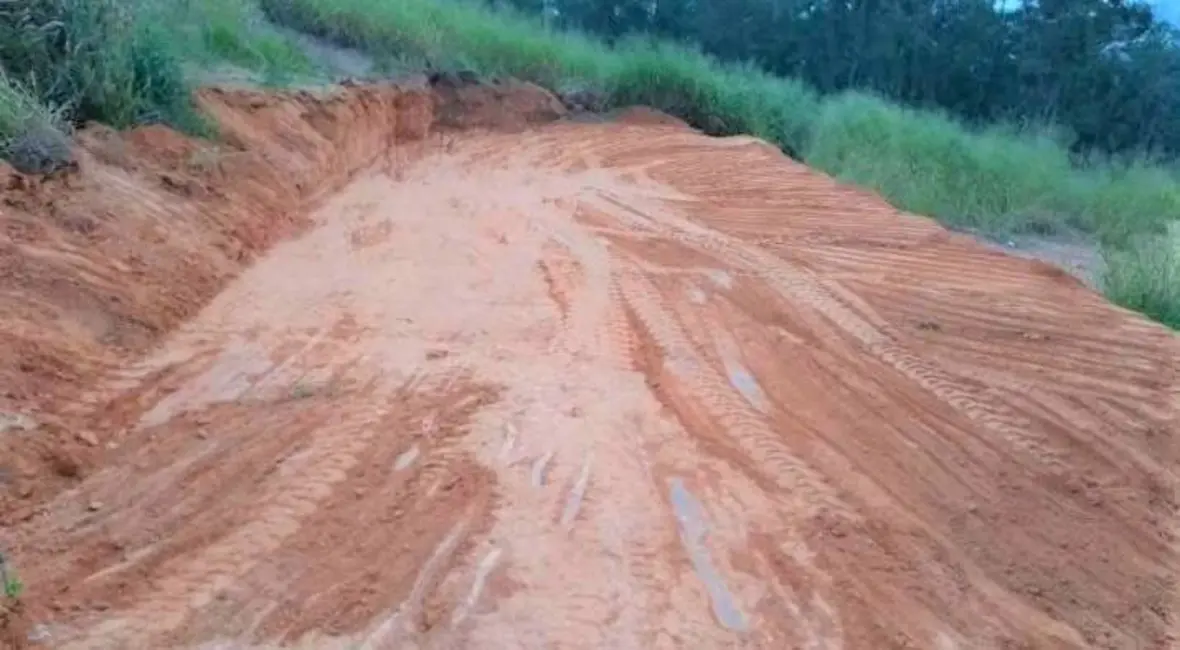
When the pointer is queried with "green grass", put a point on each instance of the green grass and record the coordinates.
(1145, 277)
(96, 59)
(126, 62)
(20, 111)
(234, 32)
(13, 587)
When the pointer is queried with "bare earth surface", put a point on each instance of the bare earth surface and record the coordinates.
(621, 386)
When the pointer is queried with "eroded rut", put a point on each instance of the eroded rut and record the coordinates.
(619, 386)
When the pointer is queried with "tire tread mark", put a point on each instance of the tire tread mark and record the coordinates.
(293, 492)
(799, 287)
(809, 493)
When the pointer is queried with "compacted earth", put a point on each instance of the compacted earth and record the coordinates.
(430, 367)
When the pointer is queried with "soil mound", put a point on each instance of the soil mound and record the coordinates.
(644, 116)
(101, 260)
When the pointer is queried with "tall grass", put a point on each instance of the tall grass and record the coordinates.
(95, 59)
(32, 134)
(214, 33)
(1146, 277)
(125, 62)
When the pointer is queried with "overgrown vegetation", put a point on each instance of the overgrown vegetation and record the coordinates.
(111, 60)
(96, 60)
(1146, 278)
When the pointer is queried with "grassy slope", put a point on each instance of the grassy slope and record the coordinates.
(996, 181)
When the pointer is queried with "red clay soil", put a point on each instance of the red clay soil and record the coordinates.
(361, 380)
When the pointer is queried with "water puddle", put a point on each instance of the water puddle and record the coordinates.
(540, 467)
(406, 459)
(739, 377)
(693, 528)
(574, 503)
(720, 278)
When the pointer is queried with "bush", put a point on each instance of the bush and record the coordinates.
(1118, 201)
(1145, 276)
(32, 136)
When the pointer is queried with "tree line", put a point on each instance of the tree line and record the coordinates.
(1107, 71)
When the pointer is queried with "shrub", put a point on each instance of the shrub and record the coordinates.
(94, 59)
(32, 136)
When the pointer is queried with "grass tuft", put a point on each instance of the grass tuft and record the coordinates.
(13, 587)
(33, 136)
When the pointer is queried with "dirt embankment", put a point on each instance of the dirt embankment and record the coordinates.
(587, 385)
(98, 262)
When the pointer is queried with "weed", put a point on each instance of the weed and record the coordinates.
(13, 587)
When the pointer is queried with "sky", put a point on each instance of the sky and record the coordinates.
(1168, 9)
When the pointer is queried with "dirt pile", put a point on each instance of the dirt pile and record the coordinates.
(100, 260)
(613, 385)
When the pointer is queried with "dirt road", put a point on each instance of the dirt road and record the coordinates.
(626, 386)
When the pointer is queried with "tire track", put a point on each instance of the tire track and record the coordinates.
(797, 286)
(689, 380)
(294, 491)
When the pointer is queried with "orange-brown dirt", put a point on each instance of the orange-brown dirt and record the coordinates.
(360, 380)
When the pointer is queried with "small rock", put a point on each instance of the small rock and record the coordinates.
(94, 506)
(16, 421)
(203, 434)
(39, 634)
(87, 437)
(63, 463)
